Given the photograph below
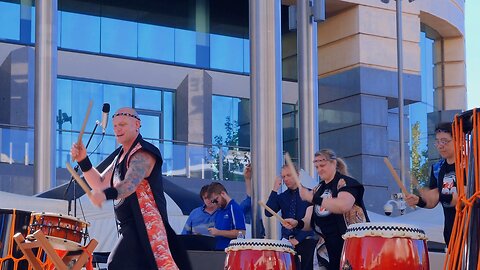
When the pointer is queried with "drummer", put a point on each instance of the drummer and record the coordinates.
(135, 185)
(442, 187)
(292, 206)
(337, 203)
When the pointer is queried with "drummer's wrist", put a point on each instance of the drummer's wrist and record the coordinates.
(300, 224)
(111, 193)
(85, 164)
(421, 203)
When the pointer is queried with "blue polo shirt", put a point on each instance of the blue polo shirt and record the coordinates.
(199, 221)
(228, 218)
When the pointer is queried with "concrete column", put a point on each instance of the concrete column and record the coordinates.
(307, 86)
(266, 104)
(193, 108)
(45, 93)
(449, 74)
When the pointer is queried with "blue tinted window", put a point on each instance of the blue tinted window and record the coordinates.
(246, 55)
(224, 110)
(80, 32)
(150, 126)
(118, 97)
(155, 42)
(226, 53)
(119, 37)
(203, 50)
(185, 46)
(32, 26)
(82, 93)
(148, 99)
(64, 100)
(168, 115)
(9, 21)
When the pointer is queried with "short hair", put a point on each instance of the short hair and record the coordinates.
(203, 190)
(295, 166)
(216, 187)
(444, 127)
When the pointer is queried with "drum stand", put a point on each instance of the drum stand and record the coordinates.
(73, 260)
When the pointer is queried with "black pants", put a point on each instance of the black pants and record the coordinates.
(305, 250)
(128, 252)
(334, 245)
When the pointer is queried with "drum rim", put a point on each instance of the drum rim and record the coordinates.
(385, 230)
(260, 244)
(60, 215)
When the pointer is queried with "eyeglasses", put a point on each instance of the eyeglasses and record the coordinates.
(442, 142)
(318, 161)
(214, 201)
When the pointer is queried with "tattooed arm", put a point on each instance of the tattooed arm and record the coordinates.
(140, 166)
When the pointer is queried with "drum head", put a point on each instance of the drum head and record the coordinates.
(386, 230)
(260, 244)
(59, 243)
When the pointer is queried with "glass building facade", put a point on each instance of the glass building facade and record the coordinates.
(147, 55)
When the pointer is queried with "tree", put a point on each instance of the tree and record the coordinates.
(227, 154)
(419, 158)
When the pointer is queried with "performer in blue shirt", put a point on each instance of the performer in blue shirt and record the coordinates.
(201, 218)
(292, 206)
(229, 220)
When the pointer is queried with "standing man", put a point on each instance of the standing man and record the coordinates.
(203, 217)
(229, 220)
(134, 182)
(294, 207)
(443, 182)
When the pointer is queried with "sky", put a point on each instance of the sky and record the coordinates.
(472, 26)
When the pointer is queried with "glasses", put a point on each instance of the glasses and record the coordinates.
(442, 142)
(214, 201)
(318, 161)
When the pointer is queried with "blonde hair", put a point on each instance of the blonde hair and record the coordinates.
(329, 154)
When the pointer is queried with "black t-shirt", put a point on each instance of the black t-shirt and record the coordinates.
(442, 177)
(336, 224)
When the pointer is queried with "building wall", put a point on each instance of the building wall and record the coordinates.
(357, 69)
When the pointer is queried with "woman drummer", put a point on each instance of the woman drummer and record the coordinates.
(337, 202)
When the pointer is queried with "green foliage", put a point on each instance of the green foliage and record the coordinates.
(227, 153)
(420, 167)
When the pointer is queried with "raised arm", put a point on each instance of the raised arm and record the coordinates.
(95, 179)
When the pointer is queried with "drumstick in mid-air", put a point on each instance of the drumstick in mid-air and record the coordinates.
(395, 176)
(272, 212)
(85, 120)
(292, 169)
(79, 180)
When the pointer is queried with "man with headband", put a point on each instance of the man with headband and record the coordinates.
(134, 182)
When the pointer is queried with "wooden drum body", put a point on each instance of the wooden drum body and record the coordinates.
(384, 246)
(259, 254)
(64, 232)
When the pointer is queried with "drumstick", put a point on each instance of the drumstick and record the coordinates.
(395, 176)
(292, 170)
(271, 211)
(79, 180)
(85, 120)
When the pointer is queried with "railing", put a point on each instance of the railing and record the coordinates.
(190, 160)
